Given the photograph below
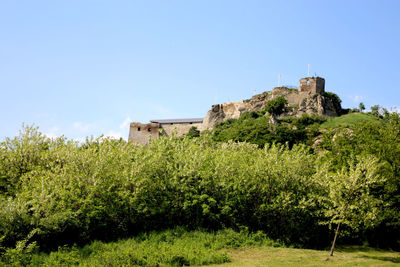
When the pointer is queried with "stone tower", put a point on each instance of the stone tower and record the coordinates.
(312, 84)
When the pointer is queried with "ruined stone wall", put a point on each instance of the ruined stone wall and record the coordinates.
(309, 99)
(312, 84)
(179, 129)
(142, 133)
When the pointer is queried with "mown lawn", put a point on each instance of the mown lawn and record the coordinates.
(276, 256)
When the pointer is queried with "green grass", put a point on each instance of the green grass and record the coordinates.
(347, 256)
(179, 247)
(176, 247)
(347, 120)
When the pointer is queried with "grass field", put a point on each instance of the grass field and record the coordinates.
(347, 120)
(273, 256)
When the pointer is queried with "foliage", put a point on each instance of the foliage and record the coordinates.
(276, 106)
(176, 247)
(335, 100)
(378, 138)
(349, 195)
(361, 106)
(22, 254)
(106, 189)
(253, 127)
(375, 110)
(193, 132)
(379, 111)
(352, 202)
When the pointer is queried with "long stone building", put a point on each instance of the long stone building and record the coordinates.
(309, 98)
(143, 133)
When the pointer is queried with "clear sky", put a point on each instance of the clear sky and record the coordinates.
(83, 68)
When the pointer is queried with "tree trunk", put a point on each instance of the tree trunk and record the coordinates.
(334, 240)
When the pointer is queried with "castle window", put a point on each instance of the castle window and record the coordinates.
(138, 129)
(308, 82)
(149, 129)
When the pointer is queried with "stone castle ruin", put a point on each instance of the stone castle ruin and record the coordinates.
(143, 133)
(310, 98)
(313, 85)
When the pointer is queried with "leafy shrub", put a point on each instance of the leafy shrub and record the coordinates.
(106, 189)
(336, 102)
(22, 254)
(379, 138)
(193, 132)
(276, 106)
(253, 127)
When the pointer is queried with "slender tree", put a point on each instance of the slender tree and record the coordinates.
(361, 106)
(349, 195)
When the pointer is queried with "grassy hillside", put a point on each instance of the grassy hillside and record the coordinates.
(348, 120)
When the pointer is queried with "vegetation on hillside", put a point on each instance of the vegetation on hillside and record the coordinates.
(276, 106)
(339, 141)
(254, 127)
(336, 101)
(296, 183)
(351, 120)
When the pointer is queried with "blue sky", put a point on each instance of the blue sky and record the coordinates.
(82, 68)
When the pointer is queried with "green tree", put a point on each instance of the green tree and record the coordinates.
(375, 110)
(349, 195)
(380, 138)
(361, 106)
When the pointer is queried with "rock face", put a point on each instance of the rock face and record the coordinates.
(309, 99)
(221, 112)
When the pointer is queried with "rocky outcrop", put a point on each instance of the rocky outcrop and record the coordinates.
(299, 103)
(221, 112)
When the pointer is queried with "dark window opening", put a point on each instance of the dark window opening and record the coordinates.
(191, 123)
(138, 129)
(149, 129)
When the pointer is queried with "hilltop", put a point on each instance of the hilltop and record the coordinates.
(310, 98)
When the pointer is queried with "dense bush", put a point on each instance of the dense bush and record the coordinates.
(336, 102)
(193, 132)
(105, 189)
(254, 127)
(276, 106)
(379, 138)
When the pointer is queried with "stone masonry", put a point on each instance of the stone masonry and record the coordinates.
(144, 133)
